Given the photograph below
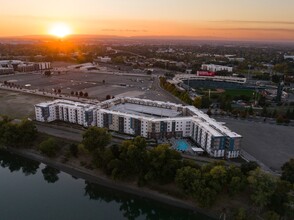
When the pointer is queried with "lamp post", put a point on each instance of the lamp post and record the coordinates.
(249, 66)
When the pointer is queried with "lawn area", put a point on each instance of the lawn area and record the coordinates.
(239, 92)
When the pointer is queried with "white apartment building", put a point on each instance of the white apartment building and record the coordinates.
(149, 119)
(68, 111)
(105, 59)
(216, 68)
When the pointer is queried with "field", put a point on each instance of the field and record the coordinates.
(239, 92)
(19, 105)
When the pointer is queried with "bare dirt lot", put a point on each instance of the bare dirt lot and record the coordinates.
(19, 105)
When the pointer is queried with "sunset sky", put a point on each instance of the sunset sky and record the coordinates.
(224, 19)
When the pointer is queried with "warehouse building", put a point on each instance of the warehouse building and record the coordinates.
(149, 119)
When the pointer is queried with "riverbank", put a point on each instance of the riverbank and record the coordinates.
(96, 177)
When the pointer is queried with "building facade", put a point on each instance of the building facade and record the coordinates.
(149, 119)
(216, 68)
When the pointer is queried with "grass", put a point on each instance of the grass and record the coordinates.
(239, 92)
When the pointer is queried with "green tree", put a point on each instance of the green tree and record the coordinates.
(236, 180)
(17, 134)
(28, 132)
(219, 177)
(281, 198)
(263, 186)
(288, 171)
(49, 147)
(280, 119)
(163, 164)
(11, 135)
(185, 178)
(248, 166)
(134, 155)
(205, 102)
(197, 102)
(240, 214)
(271, 215)
(96, 138)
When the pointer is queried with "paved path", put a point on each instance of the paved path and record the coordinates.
(61, 132)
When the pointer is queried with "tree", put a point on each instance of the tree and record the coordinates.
(163, 164)
(271, 215)
(96, 138)
(205, 102)
(280, 119)
(108, 97)
(81, 94)
(248, 166)
(185, 178)
(103, 81)
(134, 155)
(240, 214)
(86, 95)
(28, 132)
(281, 198)
(236, 180)
(72, 92)
(49, 147)
(11, 135)
(288, 171)
(263, 186)
(197, 102)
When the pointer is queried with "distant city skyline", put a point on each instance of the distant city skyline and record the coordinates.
(219, 19)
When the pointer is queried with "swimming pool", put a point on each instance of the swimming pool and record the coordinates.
(182, 145)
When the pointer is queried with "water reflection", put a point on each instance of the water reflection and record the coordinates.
(123, 204)
(133, 208)
(50, 174)
(17, 163)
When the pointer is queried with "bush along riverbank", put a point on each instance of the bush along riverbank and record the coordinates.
(228, 191)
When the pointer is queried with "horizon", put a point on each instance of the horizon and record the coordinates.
(229, 20)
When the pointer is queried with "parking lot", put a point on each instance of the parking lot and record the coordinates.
(270, 144)
(97, 84)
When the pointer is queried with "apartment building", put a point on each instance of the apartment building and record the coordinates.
(216, 68)
(149, 119)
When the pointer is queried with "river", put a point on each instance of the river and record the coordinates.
(30, 190)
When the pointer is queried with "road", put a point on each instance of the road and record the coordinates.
(69, 133)
(61, 132)
(169, 97)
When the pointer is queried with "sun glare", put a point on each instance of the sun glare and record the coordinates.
(60, 30)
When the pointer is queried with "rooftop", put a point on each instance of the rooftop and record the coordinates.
(143, 110)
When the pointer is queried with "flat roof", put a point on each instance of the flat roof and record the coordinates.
(66, 102)
(145, 110)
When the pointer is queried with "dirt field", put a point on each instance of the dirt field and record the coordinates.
(19, 105)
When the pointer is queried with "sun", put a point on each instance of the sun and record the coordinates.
(60, 30)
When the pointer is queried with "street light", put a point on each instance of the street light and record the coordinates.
(249, 66)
